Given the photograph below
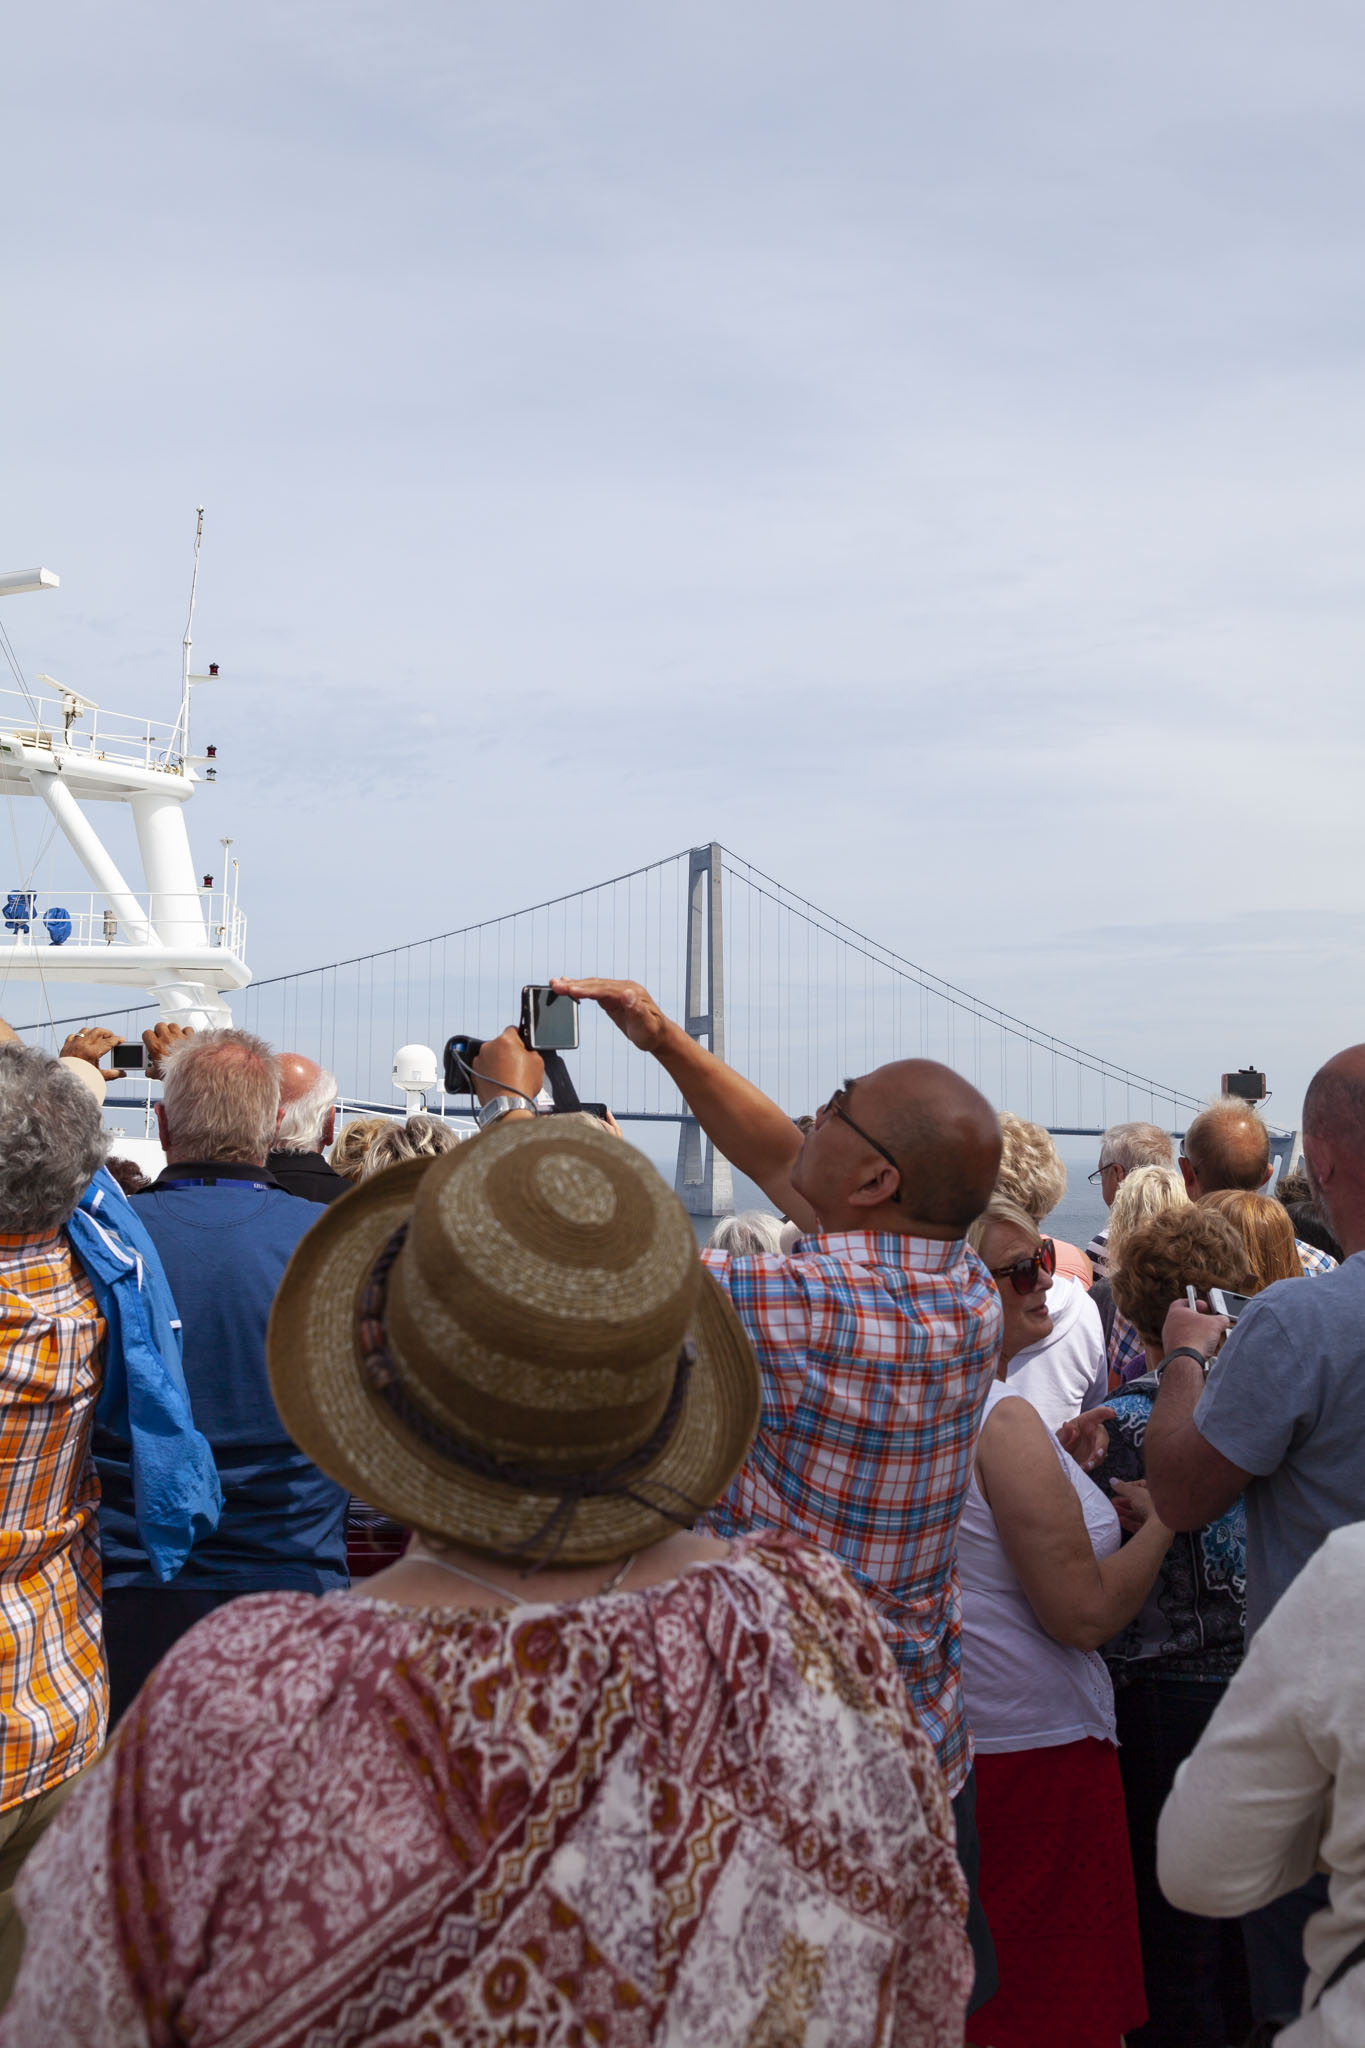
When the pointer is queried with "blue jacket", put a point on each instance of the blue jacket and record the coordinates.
(144, 1401)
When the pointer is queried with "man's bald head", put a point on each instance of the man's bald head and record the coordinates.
(942, 1133)
(1334, 1144)
(308, 1096)
(1227, 1146)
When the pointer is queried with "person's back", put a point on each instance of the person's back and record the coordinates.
(664, 1791)
(225, 1247)
(225, 1234)
(1285, 1400)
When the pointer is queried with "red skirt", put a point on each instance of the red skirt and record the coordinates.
(1057, 1888)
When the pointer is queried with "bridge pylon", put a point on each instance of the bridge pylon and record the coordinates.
(703, 1180)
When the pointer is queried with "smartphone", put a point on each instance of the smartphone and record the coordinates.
(1224, 1304)
(129, 1056)
(549, 1022)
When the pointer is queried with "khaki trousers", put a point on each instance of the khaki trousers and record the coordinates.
(20, 1827)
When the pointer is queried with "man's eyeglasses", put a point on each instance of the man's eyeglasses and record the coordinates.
(1023, 1275)
(835, 1107)
(1100, 1172)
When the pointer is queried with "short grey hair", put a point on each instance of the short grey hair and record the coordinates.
(745, 1235)
(221, 1095)
(417, 1137)
(51, 1141)
(305, 1118)
(1133, 1145)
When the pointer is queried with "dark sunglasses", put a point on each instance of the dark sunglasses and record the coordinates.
(835, 1107)
(1023, 1274)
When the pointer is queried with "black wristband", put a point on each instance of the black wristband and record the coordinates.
(1184, 1351)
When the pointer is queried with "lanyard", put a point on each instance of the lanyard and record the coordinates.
(162, 1187)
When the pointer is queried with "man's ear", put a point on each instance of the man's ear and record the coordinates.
(329, 1129)
(1321, 1164)
(1270, 1168)
(1188, 1176)
(879, 1187)
(162, 1132)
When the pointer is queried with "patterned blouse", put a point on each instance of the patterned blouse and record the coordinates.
(1192, 1623)
(699, 1814)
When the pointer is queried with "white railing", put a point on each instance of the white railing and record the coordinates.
(49, 919)
(56, 725)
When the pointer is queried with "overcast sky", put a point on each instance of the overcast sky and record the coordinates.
(921, 447)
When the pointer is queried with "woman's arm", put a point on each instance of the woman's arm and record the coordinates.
(1080, 1600)
(1247, 1810)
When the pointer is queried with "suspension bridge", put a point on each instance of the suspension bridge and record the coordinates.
(792, 996)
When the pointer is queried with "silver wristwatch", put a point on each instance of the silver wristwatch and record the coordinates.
(499, 1106)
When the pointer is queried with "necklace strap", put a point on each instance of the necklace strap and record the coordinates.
(462, 1571)
(623, 1480)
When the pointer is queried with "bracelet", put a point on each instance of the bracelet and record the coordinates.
(1184, 1351)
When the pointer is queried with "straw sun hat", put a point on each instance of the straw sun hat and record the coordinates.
(514, 1345)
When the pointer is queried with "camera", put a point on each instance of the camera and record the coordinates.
(549, 1022)
(1247, 1085)
(132, 1058)
(549, 1026)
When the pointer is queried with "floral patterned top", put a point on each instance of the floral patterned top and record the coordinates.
(1193, 1621)
(699, 1814)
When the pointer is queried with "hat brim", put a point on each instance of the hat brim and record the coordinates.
(335, 1417)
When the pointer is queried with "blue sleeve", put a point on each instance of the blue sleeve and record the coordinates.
(1259, 1395)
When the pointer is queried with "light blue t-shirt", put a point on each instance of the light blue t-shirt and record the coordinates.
(1285, 1400)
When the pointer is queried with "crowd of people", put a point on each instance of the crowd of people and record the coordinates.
(438, 1605)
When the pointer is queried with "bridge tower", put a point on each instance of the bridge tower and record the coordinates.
(703, 1180)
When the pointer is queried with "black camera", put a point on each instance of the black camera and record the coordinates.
(549, 1026)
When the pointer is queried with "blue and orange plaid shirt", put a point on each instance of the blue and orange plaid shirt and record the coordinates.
(876, 1352)
(53, 1696)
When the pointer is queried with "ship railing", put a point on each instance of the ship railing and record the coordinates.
(60, 726)
(47, 919)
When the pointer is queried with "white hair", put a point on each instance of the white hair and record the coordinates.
(305, 1119)
(742, 1236)
(1133, 1145)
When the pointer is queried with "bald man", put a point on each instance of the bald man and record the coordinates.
(1227, 1146)
(1281, 1418)
(877, 1340)
(308, 1109)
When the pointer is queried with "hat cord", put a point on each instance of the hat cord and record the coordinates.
(602, 1482)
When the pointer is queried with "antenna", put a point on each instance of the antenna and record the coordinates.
(181, 734)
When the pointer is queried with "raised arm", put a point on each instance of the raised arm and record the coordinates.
(1079, 1599)
(739, 1119)
(1192, 1483)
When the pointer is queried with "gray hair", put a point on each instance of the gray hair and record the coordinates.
(221, 1096)
(1133, 1145)
(742, 1236)
(417, 1137)
(51, 1141)
(305, 1118)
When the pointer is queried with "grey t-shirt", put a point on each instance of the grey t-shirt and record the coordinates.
(1286, 1400)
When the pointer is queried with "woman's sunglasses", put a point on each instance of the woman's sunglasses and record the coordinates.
(1023, 1274)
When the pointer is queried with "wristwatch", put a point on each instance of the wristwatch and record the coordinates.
(1185, 1351)
(499, 1106)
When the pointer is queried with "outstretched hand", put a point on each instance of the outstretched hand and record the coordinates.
(1085, 1437)
(159, 1041)
(632, 1009)
(91, 1045)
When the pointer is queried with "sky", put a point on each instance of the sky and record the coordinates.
(918, 447)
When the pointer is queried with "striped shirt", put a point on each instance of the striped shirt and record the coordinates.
(876, 1352)
(53, 1696)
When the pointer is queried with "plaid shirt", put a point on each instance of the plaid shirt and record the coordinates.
(876, 1352)
(53, 1697)
(1314, 1262)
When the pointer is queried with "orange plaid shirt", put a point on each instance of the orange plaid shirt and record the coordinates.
(53, 1695)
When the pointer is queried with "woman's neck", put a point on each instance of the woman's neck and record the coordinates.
(429, 1574)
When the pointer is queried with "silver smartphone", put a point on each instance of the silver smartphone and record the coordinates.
(1224, 1303)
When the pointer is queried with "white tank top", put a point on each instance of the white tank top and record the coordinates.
(1022, 1690)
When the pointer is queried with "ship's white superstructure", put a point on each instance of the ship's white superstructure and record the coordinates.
(174, 936)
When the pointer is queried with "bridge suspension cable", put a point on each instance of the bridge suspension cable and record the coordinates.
(805, 998)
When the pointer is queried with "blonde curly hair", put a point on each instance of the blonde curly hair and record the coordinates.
(1031, 1170)
(1164, 1255)
(1147, 1191)
(354, 1140)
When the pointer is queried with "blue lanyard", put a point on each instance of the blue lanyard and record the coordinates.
(162, 1187)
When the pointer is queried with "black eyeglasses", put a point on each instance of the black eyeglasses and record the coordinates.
(835, 1107)
(1100, 1172)
(1024, 1274)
